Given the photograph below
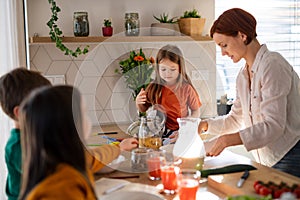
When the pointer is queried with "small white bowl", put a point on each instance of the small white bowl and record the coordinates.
(112, 166)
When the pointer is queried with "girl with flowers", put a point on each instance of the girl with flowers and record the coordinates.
(172, 91)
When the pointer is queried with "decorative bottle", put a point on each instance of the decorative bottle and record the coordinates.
(132, 24)
(81, 24)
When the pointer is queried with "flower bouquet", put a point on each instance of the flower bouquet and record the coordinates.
(137, 70)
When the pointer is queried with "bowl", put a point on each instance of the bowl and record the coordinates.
(112, 166)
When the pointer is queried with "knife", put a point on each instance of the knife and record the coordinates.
(243, 178)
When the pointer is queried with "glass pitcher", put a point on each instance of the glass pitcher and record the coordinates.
(189, 146)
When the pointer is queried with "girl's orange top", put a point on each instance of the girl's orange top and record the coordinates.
(68, 183)
(176, 103)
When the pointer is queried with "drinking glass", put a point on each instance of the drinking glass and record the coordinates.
(153, 162)
(169, 171)
(188, 183)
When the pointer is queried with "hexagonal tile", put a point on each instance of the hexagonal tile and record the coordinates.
(42, 60)
(103, 93)
(58, 67)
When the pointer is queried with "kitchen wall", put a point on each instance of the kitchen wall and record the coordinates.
(39, 13)
(107, 98)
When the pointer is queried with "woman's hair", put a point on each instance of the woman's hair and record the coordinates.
(174, 54)
(51, 127)
(233, 21)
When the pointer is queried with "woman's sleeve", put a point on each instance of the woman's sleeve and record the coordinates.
(98, 157)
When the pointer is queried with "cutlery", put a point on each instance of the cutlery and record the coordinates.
(115, 188)
(243, 178)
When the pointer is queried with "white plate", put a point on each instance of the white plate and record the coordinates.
(132, 195)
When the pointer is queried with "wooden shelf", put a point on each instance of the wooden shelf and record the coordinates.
(97, 39)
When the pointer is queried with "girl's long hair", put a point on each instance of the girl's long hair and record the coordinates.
(51, 131)
(174, 54)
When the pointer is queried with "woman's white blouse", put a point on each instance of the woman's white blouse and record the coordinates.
(266, 114)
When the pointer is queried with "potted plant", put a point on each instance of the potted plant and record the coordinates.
(191, 23)
(107, 30)
(165, 25)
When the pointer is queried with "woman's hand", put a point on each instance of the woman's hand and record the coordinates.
(215, 146)
(203, 126)
(128, 144)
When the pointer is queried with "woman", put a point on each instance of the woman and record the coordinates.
(265, 117)
(55, 162)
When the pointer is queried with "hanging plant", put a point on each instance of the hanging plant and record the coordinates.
(56, 34)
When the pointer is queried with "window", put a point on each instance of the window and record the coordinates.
(278, 26)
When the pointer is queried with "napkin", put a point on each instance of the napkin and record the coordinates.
(104, 184)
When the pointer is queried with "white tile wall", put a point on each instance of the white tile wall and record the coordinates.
(107, 98)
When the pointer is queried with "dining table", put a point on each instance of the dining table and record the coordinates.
(215, 186)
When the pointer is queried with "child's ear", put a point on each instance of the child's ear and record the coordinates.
(16, 112)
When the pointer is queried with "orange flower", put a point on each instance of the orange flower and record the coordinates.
(138, 58)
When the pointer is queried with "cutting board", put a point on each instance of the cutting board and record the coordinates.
(226, 183)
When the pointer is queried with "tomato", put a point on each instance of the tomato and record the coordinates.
(264, 191)
(257, 187)
(278, 193)
(257, 182)
(297, 192)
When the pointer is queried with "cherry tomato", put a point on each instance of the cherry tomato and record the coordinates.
(265, 191)
(297, 192)
(277, 193)
(257, 187)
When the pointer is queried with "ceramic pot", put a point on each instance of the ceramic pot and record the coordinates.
(191, 26)
(107, 31)
(164, 29)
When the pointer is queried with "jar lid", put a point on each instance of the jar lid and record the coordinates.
(80, 13)
(132, 14)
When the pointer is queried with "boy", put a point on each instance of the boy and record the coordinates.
(14, 87)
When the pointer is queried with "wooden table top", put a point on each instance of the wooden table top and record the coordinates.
(215, 187)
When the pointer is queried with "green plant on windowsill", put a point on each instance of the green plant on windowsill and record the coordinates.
(191, 14)
(164, 18)
(107, 23)
(56, 34)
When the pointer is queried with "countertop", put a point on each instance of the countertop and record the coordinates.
(214, 187)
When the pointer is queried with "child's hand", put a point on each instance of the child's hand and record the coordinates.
(128, 144)
(141, 98)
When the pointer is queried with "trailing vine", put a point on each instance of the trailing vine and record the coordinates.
(55, 33)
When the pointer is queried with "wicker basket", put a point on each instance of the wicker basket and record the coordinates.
(191, 26)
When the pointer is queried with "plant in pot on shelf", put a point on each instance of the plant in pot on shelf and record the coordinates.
(166, 26)
(107, 30)
(191, 23)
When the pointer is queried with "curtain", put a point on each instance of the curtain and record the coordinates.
(13, 54)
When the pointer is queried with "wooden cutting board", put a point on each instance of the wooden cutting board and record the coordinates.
(226, 183)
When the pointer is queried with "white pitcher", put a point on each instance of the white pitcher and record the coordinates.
(189, 146)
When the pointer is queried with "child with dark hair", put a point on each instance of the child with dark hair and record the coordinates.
(56, 165)
(14, 87)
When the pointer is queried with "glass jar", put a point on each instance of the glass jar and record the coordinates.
(149, 136)
(132, 24)
(81, 24)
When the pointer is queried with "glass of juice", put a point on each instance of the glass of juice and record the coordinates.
(188, 183)
(168, 173)
(153, 162)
